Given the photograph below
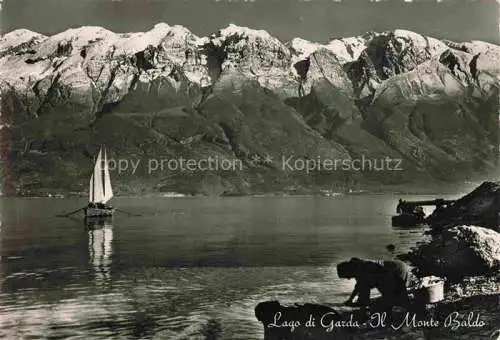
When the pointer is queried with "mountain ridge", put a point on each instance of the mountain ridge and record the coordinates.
(358, 50)
(373, 94)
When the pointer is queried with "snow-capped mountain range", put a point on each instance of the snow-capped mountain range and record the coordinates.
(86, 57)
(333, 86)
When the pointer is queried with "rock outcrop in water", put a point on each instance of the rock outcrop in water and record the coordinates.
(241, 93)
(459, 252)
(465, 237)
(481, 207)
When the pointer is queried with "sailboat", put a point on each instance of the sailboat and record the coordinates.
(100, 190)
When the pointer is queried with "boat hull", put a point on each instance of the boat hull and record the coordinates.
(99, 212)
(407, 220)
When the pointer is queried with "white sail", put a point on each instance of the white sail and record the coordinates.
(100, 182)
(108, 190)
(97, 181)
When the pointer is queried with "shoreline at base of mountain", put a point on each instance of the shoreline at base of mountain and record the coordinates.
(436, 189)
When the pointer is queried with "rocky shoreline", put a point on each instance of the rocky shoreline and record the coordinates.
(466, 257)
(476, 316)
(470, 310)
(436, 188)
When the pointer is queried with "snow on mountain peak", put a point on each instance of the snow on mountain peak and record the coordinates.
(71, 41)
(475, 47)
(90, 55)
(20, 36)
(17, 38)
(407, 34)
(431, 45)
(347, 49)
(242, 31)
(82, 35)
(243, 42)
(162, 26)
(303, 48)
(135, 42)
(98, 39)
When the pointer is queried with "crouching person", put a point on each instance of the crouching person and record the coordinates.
(391, 278)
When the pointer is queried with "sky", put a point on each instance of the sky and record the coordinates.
(317, 20)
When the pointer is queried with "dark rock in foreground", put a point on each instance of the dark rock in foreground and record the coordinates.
(473, 286)
(481, 208)
(468, 317)
(459, 252)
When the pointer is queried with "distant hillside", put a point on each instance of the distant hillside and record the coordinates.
(244, 95)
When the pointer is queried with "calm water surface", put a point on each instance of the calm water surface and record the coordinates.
(186, 268)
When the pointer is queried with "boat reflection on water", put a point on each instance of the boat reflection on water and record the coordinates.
(100, 235)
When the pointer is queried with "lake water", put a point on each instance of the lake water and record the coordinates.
(186, 268)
